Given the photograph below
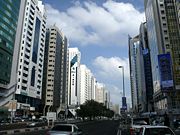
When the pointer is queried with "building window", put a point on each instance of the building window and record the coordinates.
(33, 76)
(23, 88)
(36, 41)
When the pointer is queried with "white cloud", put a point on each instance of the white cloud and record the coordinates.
(108, 67)
(116, 95)
(88, 23)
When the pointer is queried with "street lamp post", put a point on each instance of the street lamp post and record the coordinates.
(124, 105)
(123, 80)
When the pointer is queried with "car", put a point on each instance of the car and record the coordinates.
(177, 131)
(136, 125)
(65, 129)
(155, 130)
(32, 124)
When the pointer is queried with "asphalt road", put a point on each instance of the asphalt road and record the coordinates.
(107, 127)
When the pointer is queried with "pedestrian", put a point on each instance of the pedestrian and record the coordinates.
(166, 120)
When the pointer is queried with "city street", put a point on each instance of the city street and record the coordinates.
(91, 67)
(107, 127)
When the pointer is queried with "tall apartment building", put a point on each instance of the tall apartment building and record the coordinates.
(140, 72)
(140, 77)
(87, 84)
(164, 40)
(133, 43)
(55, 71)
(73, 79)
(9, 31)
(31, 57)
(107, 99)
(74, 76)
(84, 83)
(93, 87)
(148, 90)
(100, 93)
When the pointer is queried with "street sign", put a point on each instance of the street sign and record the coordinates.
(51, 115)
(124, 104)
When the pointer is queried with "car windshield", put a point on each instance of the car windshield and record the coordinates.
(62, 128)
(158, 131)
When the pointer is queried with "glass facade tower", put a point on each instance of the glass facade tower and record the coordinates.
(164, 38)
(9, 12)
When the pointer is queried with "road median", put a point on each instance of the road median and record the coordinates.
(15, 131)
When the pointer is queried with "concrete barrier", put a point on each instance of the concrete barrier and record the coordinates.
(15, 131)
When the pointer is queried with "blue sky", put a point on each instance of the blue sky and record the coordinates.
(100, 28)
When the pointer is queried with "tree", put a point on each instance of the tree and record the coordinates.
(93, 109)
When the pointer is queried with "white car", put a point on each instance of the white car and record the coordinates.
(65, 129)
(155, 130)
(136, 126)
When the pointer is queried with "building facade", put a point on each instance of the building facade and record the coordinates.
(9, 28)
(148, 91)
(73, 79)
(133, 43)
(87, 84)
(31, 57)
(84, 84)
(164, 39)
(55, 71)
(100, 93)
(107, 99)
(93, 88)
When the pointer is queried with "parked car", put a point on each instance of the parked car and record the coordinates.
(65, 129)
(155, 130)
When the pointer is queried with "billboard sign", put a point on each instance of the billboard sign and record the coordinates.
(165, 69)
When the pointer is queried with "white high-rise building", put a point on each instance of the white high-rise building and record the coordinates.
(93, 88)
(74, 76)
(100, 93)
(84, 71)
(87, 84)
(30, 67)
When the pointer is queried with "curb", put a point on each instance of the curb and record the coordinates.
(15, 131)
